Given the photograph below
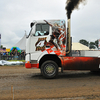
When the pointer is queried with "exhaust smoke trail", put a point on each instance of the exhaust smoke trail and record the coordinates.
(71, 5)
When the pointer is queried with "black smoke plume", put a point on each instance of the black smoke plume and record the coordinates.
(71, 5)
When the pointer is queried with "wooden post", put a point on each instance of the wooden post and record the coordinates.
(12, 91)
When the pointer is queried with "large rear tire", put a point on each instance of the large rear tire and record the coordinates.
(49, 69)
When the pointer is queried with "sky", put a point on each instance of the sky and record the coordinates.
(16, 16)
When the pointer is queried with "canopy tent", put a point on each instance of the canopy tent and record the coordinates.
(22, 43)
(17, 48)
(8, 50)
(79, 46)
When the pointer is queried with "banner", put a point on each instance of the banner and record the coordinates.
(0, 40)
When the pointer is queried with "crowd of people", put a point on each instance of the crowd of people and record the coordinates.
(13, 55)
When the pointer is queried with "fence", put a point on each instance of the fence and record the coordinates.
(9, 57)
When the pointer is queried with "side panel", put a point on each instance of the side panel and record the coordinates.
(90, 53)
(57, 42)
(81, 63)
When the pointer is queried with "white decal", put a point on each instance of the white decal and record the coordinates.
(41, 44)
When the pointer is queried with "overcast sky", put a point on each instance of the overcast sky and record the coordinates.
(16, 16)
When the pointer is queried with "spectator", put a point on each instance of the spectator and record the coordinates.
(19, 56)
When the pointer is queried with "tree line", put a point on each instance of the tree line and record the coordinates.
(91, 45)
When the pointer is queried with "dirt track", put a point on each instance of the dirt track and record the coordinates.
(28, 84)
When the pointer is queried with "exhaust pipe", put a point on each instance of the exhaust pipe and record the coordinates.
(69, 40)
(71, 5)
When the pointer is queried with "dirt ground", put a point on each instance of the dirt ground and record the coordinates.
(19, 83)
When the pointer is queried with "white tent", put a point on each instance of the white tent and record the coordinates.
(79, 46)
(75, 46)
(22, 43)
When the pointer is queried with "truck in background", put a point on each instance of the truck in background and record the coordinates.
(48, 47)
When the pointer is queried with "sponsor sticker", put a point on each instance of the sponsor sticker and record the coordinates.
(40, 44)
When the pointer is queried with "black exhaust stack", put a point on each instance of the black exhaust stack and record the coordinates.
(69, 39)
(71, 5)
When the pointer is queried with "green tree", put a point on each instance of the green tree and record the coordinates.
(1, 46)
(84, 42)
(92, 45)
(96, 43)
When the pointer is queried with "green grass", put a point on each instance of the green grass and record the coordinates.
(17, 60)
